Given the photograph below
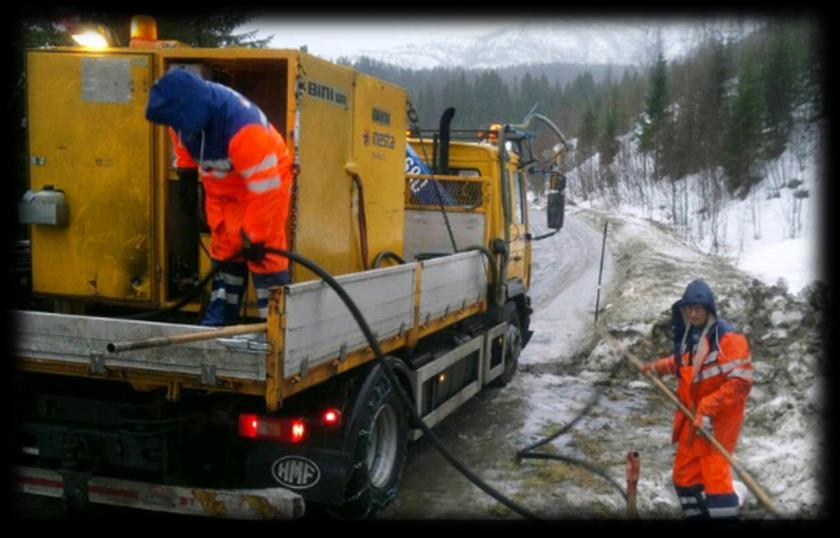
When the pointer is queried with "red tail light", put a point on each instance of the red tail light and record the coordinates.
(248, 426)
(276, 429)
(298, 431)
(331, 417)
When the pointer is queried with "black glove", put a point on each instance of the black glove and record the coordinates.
(188, 190)
(254, 252)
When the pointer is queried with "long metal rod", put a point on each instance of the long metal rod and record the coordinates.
(748, 480)
(601, 272)
(160, 341)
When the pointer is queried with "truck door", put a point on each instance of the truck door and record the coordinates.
(519, 261)
(88, 137)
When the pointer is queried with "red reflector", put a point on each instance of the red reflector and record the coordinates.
(331, 417)
(248, 425)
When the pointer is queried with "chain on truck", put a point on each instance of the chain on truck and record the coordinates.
(226, 423)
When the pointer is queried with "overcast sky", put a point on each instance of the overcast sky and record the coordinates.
(334, 37)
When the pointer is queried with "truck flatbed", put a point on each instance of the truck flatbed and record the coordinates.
(318, 335)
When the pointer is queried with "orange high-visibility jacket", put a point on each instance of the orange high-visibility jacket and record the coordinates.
(718, 383)
(253, 195)
(718, 388)
(244, 163)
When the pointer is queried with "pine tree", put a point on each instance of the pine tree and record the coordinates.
(656, 114)
(588, 132)
(713, 112)
(743, 138)
(493, 93)
(608, 139)
(779, 85)
(214, 30)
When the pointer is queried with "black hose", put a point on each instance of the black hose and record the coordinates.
(445, 216)
(392, 378)
(528, 452)
(386, 254)
(543, 236)
(589, 466)
(491, 261)
(448, 113)
(198, 288)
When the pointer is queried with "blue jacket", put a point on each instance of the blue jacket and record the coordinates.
(202, 113)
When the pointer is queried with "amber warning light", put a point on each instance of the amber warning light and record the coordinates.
(143, 31)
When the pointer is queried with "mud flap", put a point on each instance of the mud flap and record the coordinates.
(526, 337)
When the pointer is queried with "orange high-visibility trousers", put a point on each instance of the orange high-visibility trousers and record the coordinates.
(703, 478)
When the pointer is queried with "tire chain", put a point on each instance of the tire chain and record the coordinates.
(381, 392)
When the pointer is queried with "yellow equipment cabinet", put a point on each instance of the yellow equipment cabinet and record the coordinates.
(126, 240)
(379, 155)
(88, 138)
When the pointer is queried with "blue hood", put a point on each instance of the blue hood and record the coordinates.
(697, 292)
(180, 100)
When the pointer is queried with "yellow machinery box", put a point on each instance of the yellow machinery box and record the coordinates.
(126, 241)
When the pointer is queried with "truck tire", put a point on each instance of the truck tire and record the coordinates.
(380, 439)
(513, 345)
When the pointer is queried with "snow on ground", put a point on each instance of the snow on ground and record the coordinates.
(564, 310)
(761, 257)
(773, 233)
(781, 442)
(565, 365)
(782, 260)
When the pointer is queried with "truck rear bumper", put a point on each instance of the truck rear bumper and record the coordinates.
(266, 503)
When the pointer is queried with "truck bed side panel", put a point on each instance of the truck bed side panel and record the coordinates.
(450, 283)
(318, 323)
(83, 339)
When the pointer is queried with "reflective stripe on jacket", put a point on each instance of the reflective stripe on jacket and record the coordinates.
(718, 389)
(243, 162)
(254, 194)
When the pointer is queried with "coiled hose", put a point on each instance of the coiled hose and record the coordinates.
(528, 452)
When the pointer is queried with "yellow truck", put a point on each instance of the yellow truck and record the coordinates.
(238, 425)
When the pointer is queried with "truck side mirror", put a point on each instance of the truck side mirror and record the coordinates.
(557, 182)
(556, 201)
(556, 210)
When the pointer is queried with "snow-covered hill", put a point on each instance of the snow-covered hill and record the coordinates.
(774, 233)
(570, 40)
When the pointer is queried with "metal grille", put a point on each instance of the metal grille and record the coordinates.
(452, 193)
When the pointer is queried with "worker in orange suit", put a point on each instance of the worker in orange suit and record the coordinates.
(245, 167)
(714, 374)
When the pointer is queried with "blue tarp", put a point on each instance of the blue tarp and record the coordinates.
(424, 191)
